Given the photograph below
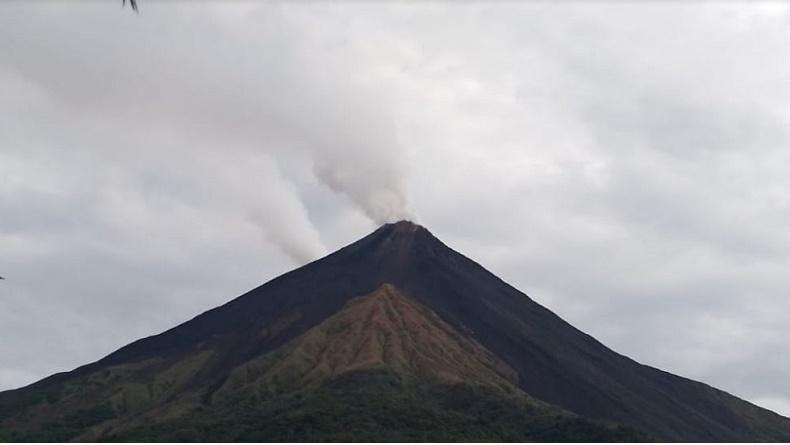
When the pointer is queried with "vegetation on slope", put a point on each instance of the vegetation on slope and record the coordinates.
(378, 406)
(385, 368)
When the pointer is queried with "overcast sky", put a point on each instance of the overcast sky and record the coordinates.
(626, 165)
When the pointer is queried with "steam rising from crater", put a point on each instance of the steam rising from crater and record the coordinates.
(348, 129)
(370, 179)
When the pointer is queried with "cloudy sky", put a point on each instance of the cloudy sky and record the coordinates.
(626, 165)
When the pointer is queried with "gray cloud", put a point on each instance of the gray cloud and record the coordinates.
(625, 165)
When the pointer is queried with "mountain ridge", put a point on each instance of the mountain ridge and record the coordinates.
(553, 361)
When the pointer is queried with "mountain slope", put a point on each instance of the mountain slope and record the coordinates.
(383, 368)
(386, 329)
(526, 345)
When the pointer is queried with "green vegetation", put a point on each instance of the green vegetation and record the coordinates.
(377, 406)
(62, 430)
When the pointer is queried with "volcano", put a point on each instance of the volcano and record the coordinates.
(395, 337)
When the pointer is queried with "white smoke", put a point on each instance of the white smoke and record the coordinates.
(376, 191)
(359, 158)
(221, 97)
(348, 129)
(256, 184)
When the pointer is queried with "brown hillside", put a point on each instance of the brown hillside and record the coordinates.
(384, 329)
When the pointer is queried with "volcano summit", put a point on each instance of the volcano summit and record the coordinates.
(395, 337)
